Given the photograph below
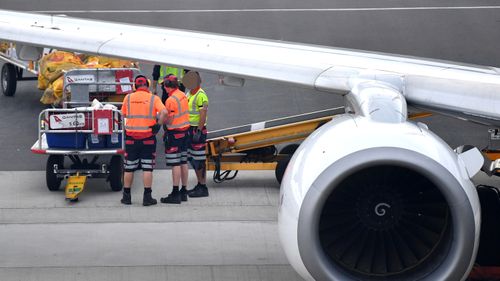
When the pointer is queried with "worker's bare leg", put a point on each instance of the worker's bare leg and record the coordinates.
(175, 196)
(147, 178)
(201, 175)
(176, 175)
(184, 174)
(128, 178)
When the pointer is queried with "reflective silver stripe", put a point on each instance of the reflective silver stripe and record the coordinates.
(141, 116)
(130, 116)
(179, 107)
(151, 106)
(132, 162)
(136, 128)
(193, 110)
(196, 152)
(184, 156)
(193, 105)
(147, 166)
(199, 158)
(172, 155)
(149, 161)
(178, 160)
(186, 112)
(184, 124)
(128, 103)
(131, 166)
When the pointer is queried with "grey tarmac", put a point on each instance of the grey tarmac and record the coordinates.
(44, 237)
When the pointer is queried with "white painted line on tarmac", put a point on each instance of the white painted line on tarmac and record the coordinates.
(272, 10)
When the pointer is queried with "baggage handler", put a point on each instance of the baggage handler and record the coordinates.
(140, 110)
(198, 108)
(177, 137)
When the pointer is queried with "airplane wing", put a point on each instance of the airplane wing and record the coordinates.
(430, 84)
(388, 199)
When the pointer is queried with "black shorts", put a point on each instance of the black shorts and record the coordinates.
(140, 153)
(196, 149)
(176, 147)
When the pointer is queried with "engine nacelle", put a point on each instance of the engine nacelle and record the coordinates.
(365, 200)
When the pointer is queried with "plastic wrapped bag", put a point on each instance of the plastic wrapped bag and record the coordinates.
(53, 65)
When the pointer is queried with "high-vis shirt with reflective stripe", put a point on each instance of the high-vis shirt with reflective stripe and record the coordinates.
(140, 109)
(177, 108)
(195, 102)
(165, 70)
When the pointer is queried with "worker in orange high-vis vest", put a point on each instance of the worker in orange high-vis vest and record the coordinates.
(141, 110)
(177, 138)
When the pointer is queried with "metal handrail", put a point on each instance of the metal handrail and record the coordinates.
(44, 127)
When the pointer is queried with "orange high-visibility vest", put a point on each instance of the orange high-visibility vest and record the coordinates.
(177, 107)
(139, 111)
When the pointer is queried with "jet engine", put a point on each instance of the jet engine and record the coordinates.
(368, 200)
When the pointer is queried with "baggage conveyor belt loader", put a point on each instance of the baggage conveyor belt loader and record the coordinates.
(253, 147)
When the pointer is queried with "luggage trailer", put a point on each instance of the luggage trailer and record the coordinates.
(14, 68)
(85, 135)
(76, 134)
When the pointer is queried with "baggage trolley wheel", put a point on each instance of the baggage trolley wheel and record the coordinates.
(115, 177)
(8, 79)
(53, 182)
(289, 150)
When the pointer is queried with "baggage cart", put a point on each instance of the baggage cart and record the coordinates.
(83, 136)
(107, 85)
(15, 68)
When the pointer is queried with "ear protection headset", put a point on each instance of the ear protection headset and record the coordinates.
(141, 81)
(171, 81)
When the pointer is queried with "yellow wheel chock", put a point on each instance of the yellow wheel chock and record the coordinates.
(74, 187)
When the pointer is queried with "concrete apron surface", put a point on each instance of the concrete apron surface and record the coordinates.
(231, 235)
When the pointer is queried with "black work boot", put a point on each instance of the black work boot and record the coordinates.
(148, 200)
(199, 191)
(127, 198)
(173, 198)
(193, 189)
(184, 195)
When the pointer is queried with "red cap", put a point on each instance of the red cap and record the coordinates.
(171, 81)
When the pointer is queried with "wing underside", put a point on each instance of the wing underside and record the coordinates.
(426, 83)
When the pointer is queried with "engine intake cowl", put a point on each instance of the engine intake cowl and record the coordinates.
(399, 212)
